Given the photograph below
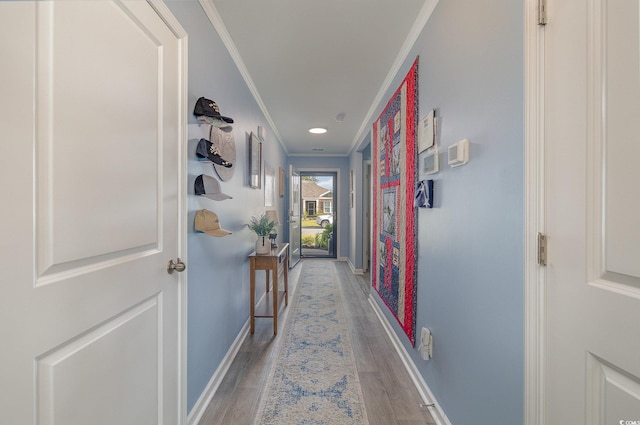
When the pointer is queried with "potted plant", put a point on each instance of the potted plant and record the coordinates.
(262, 226)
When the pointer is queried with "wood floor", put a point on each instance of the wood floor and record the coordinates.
(389, 394)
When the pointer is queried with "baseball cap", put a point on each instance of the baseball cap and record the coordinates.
(207, 221)
(226, 145)
(208, 151)
(209, 108)
(209, 187)
(215, 122)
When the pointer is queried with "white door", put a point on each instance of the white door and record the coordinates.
(91, 128)
(294, 216)
(592, 198)
(366, 216)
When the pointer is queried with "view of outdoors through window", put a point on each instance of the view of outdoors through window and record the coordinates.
(318, 206)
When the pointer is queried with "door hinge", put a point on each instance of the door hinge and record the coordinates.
(542, 12)
(542, 249)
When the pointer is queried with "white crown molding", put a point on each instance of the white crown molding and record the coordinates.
(414, 33)
(216, 20)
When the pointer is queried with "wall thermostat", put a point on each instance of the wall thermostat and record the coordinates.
(459, 153)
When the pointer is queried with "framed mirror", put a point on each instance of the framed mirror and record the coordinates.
(255, 161)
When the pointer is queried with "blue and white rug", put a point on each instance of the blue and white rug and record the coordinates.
(314, 380)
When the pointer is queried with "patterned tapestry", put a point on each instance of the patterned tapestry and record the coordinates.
(394, 216)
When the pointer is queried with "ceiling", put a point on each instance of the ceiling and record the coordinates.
(308, 61)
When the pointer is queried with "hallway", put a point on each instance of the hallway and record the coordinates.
(390, 396)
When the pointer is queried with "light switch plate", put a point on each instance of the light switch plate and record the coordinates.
(426, 344)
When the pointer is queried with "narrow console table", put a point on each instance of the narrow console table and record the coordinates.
(276, 262)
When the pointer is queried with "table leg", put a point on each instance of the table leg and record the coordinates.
(286, 282)
(267, 280)
(274, 270)
(252, 297)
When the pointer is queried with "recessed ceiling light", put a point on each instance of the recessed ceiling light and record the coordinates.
(317, 130)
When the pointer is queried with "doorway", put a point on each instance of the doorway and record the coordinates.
(583, 300)
(99, 327)
(319, 219)
(366, 217)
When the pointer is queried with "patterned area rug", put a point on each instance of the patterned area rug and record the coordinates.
(314, 380)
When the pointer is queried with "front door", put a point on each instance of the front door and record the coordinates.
(310, 208)
(294, 216)
(319, 233)
(592, 204)
(91, 126)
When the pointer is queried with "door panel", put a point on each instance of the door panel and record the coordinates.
(64, 167)
(63, 400)
(294, 216)
(592, 85)
(612, 393)
(621, 104)
(92, 116)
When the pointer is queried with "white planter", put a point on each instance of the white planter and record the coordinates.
(263, 245)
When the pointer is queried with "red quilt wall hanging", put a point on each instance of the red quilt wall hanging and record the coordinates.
(394, 216)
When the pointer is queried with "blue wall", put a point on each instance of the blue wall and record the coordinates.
(218, 294)
(470, 246)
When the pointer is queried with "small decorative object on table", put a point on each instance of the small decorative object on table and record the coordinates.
(272, 215)
(262, 226)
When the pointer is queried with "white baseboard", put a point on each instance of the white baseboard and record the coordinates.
(425, 392)
(353, 268)
(216, 379)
